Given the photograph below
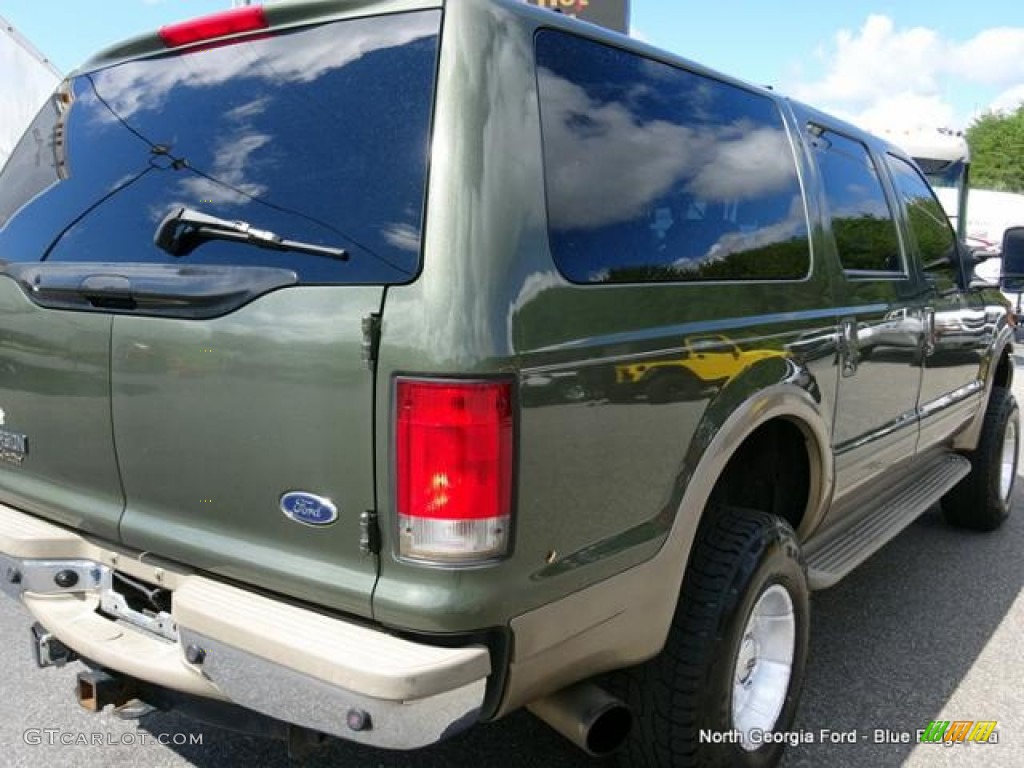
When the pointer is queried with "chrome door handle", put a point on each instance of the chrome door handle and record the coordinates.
(928, 316)
(849, 343)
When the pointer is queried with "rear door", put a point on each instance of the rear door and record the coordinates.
(240, 387)
(56, 447)
(876, 426)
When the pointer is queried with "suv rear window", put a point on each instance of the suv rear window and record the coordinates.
(657, 173)
(319, 135)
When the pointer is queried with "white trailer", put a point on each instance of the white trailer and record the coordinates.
(27, 78)
(989, 215)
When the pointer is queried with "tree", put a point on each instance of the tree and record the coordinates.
(997, 151)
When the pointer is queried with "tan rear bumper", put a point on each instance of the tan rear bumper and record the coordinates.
(270, 656)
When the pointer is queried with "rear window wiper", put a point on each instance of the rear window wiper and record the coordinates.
(184, 229)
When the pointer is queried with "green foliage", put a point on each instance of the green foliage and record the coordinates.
(867, 242)
(997, 151)
(565, 313)
(786, 260)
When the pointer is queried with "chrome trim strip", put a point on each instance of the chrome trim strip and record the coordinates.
(907, 418)
(951, 398)
(922, 412)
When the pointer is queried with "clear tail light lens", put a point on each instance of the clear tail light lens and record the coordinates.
(454, 444)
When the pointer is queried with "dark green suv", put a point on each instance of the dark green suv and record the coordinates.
(274, 285)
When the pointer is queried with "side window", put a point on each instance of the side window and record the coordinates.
(862, 222)
(36, 164)
(929, 225)
(654, 173)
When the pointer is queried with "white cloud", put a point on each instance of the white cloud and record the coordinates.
(232, 186)
(403, 236)
(1009, 99)
(643, 159)
(994, 56)
(638, 34)
(249, 109)
(867, 65)
(906, 109)
(881, 75)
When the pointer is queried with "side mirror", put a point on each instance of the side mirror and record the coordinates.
(1011, 279)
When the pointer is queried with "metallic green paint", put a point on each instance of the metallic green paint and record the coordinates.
(216, 419)
(55, 389)
(599, 482)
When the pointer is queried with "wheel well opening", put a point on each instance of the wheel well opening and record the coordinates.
(1004, 371)
(770, 472)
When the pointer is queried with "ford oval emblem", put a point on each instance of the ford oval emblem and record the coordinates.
(308, 509)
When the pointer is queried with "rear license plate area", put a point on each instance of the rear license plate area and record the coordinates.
(147, 606)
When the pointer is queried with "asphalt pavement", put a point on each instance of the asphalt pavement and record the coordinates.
(929, 629)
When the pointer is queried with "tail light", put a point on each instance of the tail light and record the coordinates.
(246, 19)
(454, 446)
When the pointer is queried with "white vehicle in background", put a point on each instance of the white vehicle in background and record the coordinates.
(28, 79)
(989, 215)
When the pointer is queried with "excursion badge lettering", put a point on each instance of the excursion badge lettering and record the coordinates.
(13, 445)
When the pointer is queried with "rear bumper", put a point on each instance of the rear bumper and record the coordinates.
(270, 656)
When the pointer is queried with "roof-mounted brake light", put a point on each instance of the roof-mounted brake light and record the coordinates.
(246, 19)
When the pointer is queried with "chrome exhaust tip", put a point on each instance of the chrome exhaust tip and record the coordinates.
(590, 717)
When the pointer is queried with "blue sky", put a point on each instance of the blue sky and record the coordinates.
(873, 61)
(904, 58)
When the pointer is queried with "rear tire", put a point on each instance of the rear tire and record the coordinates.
(739, 633)
(982, 500)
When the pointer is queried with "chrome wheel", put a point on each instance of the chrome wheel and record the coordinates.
(1008, 468)
(764, 664)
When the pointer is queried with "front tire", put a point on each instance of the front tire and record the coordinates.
(981, 501)
(734, 660)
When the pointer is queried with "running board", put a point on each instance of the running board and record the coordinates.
(840, 551)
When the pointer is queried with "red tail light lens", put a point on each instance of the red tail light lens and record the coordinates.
(454, 443)
(216, 25)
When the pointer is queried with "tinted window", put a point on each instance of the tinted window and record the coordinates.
(929, 224)
(37, 161)
(319, 135)
(862, 221)
(655, 173)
